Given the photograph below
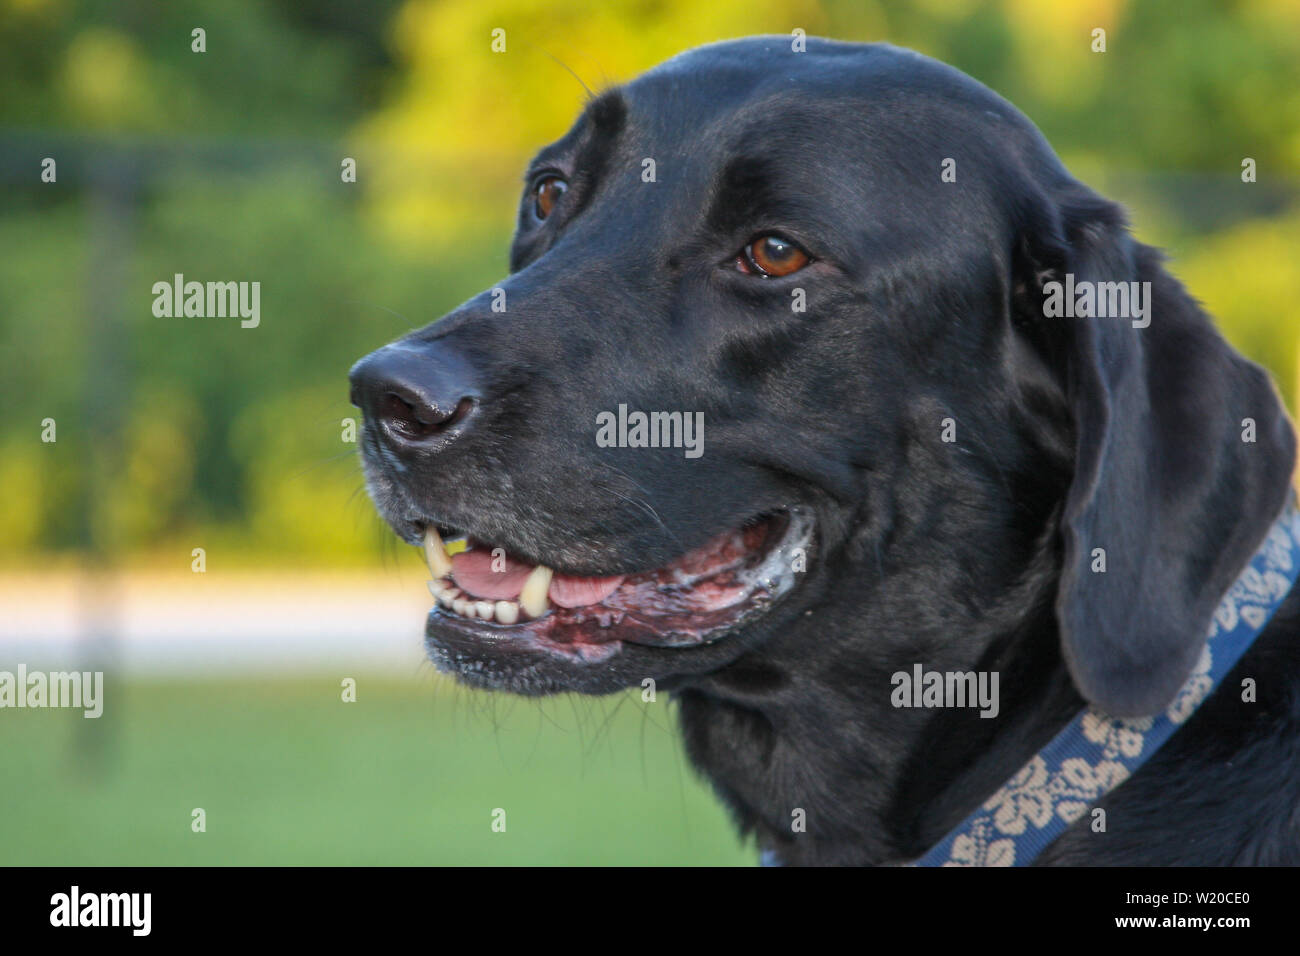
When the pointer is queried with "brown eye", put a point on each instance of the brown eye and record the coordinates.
(547, 194)
(773, 257)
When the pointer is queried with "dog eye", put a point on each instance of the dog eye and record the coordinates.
(771, 257)
(547, 194)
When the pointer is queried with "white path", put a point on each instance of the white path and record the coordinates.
(196, 624)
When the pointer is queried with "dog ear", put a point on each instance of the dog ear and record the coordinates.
(1183, 459)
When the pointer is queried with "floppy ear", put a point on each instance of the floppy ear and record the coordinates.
(1168, 486)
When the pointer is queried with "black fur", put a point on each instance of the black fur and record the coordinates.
(924, 303)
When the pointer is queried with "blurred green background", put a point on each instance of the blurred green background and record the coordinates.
(175, 434)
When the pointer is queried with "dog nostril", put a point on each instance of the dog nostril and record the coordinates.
(416, 420)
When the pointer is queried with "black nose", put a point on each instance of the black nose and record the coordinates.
(415, 395)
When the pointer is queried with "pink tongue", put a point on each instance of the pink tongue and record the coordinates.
(501, 579)
(568, 591)
(476, 571)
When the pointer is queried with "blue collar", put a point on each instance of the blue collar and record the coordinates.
(1096, 753)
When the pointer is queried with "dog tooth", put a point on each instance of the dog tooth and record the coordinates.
(533, 597)
(436, 553)
(448, 596)
(507, 612)
(461, 606)
(485, 609)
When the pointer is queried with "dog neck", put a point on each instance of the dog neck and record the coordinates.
(806, 742)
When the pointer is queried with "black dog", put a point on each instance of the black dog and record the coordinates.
(838, 261)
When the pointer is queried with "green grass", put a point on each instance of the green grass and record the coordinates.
(409, 774)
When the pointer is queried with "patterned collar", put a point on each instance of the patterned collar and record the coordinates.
(1096, 753)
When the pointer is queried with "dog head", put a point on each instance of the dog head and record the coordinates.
(773, 378)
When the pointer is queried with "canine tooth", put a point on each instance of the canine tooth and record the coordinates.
(437, 586)
(436, 554)
(448, 596)
(485, 609)
(460, 606)
(533, 597)
(507, 612)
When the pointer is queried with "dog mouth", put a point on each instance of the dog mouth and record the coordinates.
(487, 596)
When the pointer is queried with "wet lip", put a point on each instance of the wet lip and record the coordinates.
(487, 597)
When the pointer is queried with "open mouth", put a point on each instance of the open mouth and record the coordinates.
(483, 592)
